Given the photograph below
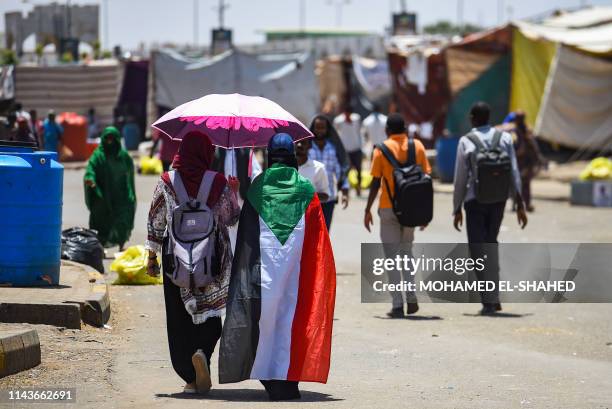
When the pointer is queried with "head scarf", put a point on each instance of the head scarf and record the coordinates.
(281, 150)
(194, 157)
(111, 134)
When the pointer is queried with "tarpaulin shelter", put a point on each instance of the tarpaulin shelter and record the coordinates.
(134, 91)
(372, 79)
(576, 109)
(478, 70)
(569, 74)
(333, 85)
(70, 88)
(287, 79)
(420, 86)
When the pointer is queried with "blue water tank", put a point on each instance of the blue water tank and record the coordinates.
(131, 135)
(31, 185)
(445, 159)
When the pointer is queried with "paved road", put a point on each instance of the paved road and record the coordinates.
(544, 356)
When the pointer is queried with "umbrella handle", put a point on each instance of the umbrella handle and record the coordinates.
(251, 159)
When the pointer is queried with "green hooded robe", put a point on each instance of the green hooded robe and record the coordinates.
(112, 201)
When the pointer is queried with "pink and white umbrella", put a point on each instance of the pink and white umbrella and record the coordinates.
(232, 120)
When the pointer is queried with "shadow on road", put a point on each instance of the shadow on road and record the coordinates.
(500, 315)
(412, 318)
(246, 395)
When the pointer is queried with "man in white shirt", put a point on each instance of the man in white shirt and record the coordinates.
(312, 170)
(373, 127)
(348, 125)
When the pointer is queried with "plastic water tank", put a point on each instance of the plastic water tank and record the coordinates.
(131, 135)
(445, 159)
(31, 187)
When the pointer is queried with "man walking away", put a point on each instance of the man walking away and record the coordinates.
(486, 172)
(392, 234)
(312, 170)
(348, 125)
(373, 127)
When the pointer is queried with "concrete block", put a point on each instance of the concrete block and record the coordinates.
(18, 351)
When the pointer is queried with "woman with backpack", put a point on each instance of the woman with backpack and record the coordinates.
(193, 312)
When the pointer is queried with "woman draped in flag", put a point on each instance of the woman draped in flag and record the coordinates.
(109, 190)
(282, 291)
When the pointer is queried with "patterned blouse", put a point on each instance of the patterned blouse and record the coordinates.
(209, 301)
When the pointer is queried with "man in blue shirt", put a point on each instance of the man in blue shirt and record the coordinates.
(52, 133)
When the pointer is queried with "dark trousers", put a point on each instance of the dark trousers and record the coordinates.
(185, 337)
(281, 390)
(526, 190)
(328, 212)
(355, 159)
(482, 223)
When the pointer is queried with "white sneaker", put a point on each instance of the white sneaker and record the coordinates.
(203, 382)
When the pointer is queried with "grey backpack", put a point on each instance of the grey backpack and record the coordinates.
(192, 232)
(493, 170)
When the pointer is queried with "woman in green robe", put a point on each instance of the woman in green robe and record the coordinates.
(109, 190)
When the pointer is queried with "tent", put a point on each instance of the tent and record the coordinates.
(478, 70)
(70, 88)
(420, 87)
(288, 79)
(577, 103)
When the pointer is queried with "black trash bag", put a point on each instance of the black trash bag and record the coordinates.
(82, 245)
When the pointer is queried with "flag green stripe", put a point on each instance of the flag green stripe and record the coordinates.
(280, 196)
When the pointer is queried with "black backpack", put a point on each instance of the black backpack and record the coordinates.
(412, 198)
(493, 170)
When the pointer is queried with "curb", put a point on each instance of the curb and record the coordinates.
(19, 350)
(94, 308)
(61, 315)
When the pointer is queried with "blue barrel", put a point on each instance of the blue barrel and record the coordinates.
(445, 159)
(131, 135)
(31, 185)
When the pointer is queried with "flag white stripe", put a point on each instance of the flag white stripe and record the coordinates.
(280, 276)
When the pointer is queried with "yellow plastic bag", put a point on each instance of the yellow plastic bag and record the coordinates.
(366, 179)
(597, 169)
(150, 166)
(131, 267)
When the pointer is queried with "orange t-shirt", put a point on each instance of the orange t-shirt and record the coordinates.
(381, 168)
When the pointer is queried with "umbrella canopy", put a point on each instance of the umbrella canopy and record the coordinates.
(232, 120)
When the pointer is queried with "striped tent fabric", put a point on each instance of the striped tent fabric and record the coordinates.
(282, 289)
(70, 88)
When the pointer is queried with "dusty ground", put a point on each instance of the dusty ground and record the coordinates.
(537, 356)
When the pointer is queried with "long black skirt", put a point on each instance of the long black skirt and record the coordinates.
(185, 337)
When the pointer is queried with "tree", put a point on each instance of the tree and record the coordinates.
(96, 49)
(445, 27)
(39, 51)
(8, 57)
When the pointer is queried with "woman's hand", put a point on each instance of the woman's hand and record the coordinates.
(152, 265)
(233, 183)
(90, 183)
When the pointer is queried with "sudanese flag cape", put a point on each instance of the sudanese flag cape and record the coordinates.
(282, 289)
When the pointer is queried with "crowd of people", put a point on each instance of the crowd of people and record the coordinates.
(263, 218)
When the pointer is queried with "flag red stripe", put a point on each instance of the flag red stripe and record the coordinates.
(311, 330)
